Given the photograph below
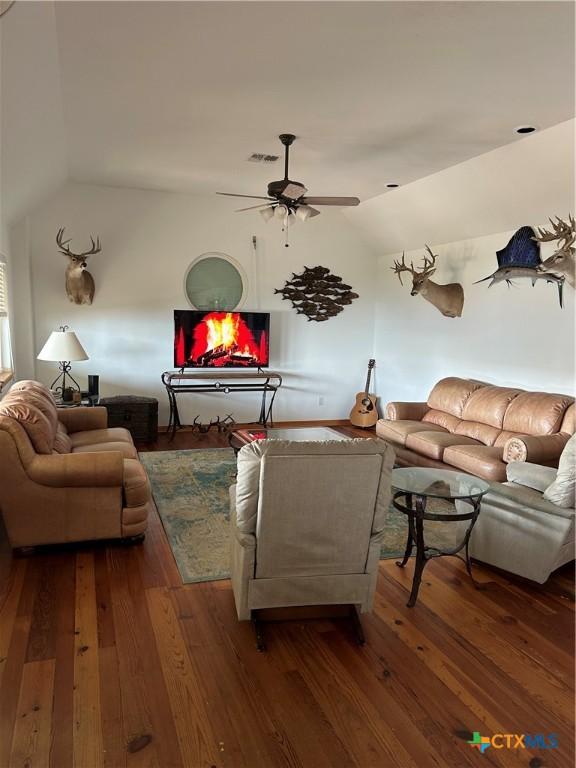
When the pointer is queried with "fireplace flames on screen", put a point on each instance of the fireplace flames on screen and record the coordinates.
(222, 339)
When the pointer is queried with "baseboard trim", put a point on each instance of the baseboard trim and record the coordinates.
(279, 424)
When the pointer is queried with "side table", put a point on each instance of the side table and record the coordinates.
(139, 415)
(88, 401)
(414, 486)
(223, 381)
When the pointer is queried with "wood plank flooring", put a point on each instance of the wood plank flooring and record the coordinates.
(106, 659)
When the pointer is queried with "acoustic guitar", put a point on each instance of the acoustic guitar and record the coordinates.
(364, 413)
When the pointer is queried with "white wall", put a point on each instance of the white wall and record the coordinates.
(514, 336)
(520, 183)
(21, 304)
(517, 336)
(148, 240)
(32, 133)
(32, 150)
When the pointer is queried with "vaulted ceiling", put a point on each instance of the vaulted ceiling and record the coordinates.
(177, 95)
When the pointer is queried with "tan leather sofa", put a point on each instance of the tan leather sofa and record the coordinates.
(479, 428)
(64, 476)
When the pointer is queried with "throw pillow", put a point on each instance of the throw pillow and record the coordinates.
(33, 421)
(563, 490)
(33, 386)
(62, 443)
(38, 400)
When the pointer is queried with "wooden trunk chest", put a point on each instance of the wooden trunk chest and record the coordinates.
(139, 415)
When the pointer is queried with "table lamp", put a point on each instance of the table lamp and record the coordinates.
(63, 347)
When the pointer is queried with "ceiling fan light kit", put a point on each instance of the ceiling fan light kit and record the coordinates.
(286, 198)
(305, 212)
(281, 211)
(267, 213)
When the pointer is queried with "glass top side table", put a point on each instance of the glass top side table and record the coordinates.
(413, 486)
(89, 401)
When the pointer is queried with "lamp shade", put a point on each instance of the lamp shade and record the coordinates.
(62, 345)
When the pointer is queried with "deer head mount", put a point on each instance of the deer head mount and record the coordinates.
(562, 261)
(449, 299)
(79, 282)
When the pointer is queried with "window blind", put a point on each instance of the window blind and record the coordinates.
(3, 291)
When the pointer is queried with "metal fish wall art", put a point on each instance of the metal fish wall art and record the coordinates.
(317, 293)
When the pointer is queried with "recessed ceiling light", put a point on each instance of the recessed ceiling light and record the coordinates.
(525, 129)
(392, 186)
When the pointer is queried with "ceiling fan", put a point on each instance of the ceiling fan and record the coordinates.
(287, 198)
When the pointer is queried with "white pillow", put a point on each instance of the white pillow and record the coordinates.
(563, 489)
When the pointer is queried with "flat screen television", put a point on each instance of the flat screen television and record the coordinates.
(221, 339)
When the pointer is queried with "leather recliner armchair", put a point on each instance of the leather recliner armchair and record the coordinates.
(307, 522)
(64, 476)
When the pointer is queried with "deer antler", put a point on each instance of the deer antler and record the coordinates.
(428, 263)
(564, 232)
(63, 245)
(400, 267)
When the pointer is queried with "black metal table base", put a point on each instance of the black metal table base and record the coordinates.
(415, 510)
(268, 384)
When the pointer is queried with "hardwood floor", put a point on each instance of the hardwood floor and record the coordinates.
(106, 659)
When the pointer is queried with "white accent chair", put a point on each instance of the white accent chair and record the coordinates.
(518, 530)
(307, 523)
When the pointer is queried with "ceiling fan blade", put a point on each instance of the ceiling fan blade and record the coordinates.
(253, 197)
(341, 201)
(254, 207)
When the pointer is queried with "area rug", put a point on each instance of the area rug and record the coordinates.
(190, 489)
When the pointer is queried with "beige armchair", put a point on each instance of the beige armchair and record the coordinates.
(519, 530)
(64, 476)
(307, 522)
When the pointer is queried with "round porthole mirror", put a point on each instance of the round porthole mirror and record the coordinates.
(214, 282)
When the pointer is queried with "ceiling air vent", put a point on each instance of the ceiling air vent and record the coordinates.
(261, 157)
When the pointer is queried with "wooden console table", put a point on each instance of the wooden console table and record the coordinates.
(224, 381)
